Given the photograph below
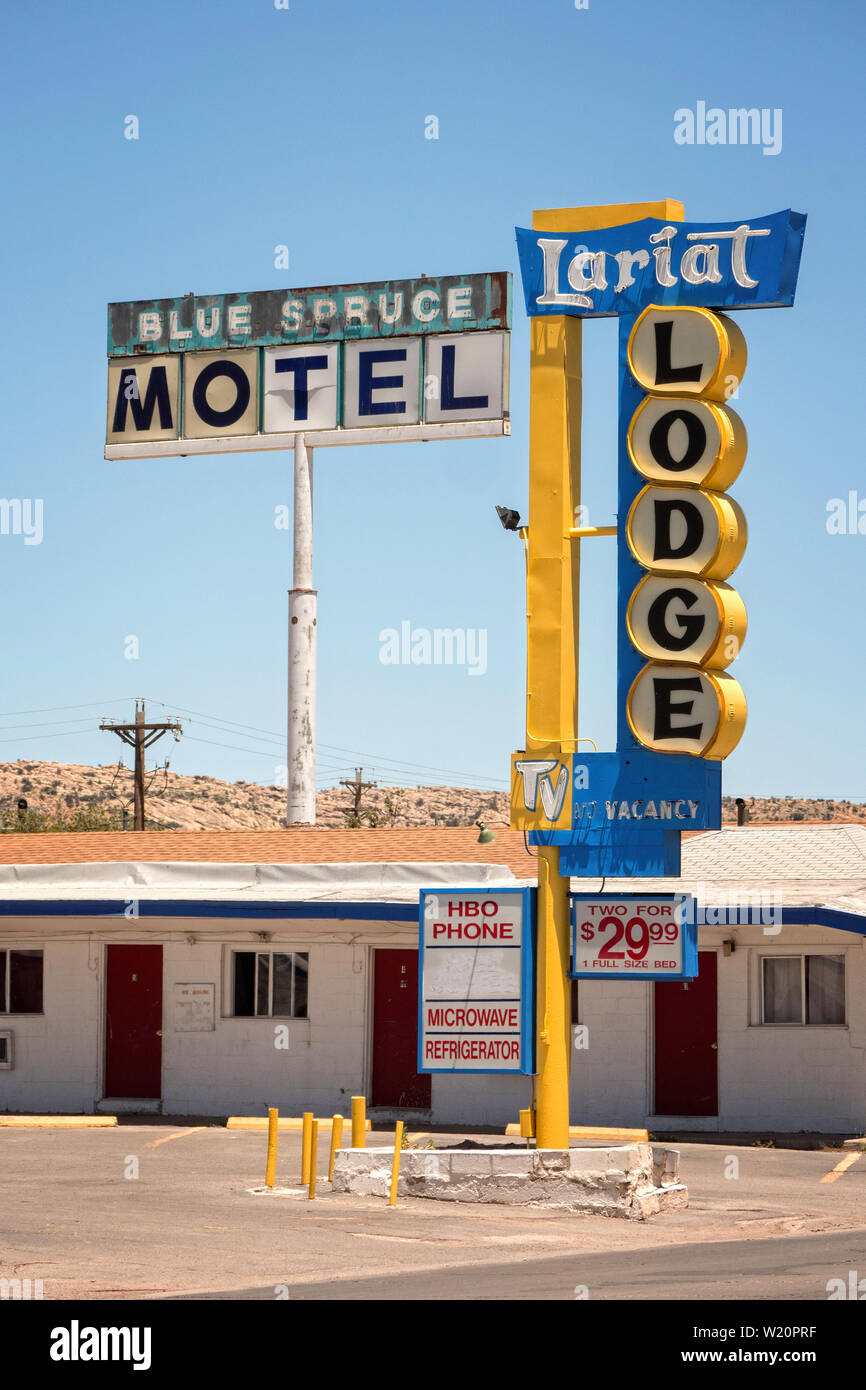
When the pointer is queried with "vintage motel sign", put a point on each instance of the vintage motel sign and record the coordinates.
(477, 980)
(680, 533)
(355, 364)
(394, 361)
(685, 535)
(633, 937)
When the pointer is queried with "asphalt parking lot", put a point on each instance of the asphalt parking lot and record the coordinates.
(169, 1210)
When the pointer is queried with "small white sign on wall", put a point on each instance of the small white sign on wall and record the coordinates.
(194, 1008)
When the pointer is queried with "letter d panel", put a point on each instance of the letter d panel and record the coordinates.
(220, 393)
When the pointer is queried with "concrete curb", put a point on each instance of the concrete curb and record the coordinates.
(58, 1121)
(633, 1181)
(289, 1123)
(634, 1136)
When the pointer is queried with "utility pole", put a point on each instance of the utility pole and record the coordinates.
(301, 778)
(139, 736)
(357, 787)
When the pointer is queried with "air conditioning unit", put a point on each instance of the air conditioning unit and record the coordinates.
(7, 1052)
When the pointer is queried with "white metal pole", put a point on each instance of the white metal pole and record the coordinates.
(301, 798)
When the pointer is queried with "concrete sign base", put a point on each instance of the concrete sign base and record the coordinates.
(634, 1181)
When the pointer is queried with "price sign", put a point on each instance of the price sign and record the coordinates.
(633, 938)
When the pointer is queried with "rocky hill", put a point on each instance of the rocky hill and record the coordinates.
(205, 803)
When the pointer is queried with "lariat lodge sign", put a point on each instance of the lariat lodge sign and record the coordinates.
(680, 533)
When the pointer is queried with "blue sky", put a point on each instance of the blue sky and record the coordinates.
(305, 127)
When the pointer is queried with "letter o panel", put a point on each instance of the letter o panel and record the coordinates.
(686, 531)
(676, 440)
(220, 393)
(681, 709)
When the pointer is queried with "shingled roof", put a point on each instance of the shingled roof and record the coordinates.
(419, 845)
(800, 864)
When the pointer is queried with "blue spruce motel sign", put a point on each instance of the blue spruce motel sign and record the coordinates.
(370, 363)
(679, 534)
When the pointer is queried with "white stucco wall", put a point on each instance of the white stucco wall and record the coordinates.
(609, 1076)
(770, 1077)
(790, 1077)
(786, 1078)
(237, 1069)
(56, 1051)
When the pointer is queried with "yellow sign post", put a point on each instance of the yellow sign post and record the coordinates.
(552, 590)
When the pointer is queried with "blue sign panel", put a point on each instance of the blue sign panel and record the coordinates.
(633, 936)
(628, 809)
(476, 982)
(622, 270)
(622, 853)
(647, 791)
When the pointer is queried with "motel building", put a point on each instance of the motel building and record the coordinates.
(218, 973)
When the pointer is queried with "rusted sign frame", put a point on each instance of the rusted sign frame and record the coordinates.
(269, 318)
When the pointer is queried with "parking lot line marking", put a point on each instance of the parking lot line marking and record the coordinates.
(181, 1134)
(841, 1166)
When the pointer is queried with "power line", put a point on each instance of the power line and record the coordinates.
(338, 748)
(50, 709)
(256, 739)
(218, 717)
(30, 738)
(257, 752)
(393, 767)
(45, 724)
(426, 767)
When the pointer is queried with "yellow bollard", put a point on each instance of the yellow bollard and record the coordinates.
(395, 1169)
(305, 1146)
(527, 1128)
(336, 1143)
(314, 1145)
(359, 1122)
(271, 1169)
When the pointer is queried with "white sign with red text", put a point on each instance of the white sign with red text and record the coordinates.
(633, 937)
(473, 985)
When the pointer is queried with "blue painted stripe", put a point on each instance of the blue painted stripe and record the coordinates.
(117, 907)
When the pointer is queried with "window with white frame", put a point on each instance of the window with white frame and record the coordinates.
(20, 981)
(803, 989)
(270, 984)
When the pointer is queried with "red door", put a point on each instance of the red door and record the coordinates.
(686, 1017)
(133, 1019)
(396, 1081)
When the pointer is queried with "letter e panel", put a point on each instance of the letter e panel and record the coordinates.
(476, 986)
